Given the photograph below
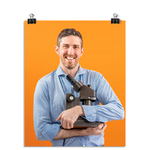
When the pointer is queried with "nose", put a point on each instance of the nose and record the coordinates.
(70, 50)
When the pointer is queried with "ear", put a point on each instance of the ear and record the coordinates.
(57, 49)
(82, 51)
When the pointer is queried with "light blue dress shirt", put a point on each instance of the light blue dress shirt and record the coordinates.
(50, 101)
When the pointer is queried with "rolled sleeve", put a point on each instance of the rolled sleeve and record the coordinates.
(50, 131)
(90, 112)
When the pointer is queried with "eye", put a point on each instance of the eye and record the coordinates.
(76, 46)
(65, 46)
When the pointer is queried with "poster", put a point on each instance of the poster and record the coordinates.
(104, 45)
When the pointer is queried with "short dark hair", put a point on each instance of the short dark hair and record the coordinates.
(68, 32)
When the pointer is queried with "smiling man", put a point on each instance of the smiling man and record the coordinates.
(50, 97)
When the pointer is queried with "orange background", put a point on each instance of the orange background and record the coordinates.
(104, 45)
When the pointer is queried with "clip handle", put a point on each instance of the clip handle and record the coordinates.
(115, 15)
(31, 15)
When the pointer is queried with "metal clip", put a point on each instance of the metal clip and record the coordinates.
(115, 20)
(31, 20)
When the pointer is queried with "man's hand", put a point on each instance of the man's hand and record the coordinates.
(97, 130)
(69, 116)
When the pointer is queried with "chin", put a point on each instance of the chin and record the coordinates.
(70, 66)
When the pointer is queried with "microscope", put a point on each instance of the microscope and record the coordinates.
(87, 96)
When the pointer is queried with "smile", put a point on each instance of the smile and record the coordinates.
(70, 58)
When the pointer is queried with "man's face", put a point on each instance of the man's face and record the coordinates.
(69, 51)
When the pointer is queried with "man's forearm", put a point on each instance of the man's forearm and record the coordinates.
(64, 134)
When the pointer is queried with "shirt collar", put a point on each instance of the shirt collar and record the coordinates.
(59, 71)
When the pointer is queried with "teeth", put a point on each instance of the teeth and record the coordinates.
(69, 58)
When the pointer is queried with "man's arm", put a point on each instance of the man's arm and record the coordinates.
(63, 134)
(111, 108)
(43, 126)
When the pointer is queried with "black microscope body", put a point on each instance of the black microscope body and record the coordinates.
(87, 96)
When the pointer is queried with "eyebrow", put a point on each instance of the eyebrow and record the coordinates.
(65, 44)
(73, 44)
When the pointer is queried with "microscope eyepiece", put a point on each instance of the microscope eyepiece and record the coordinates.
(70, 79)
(76, 85)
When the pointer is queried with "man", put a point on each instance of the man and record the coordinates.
(50, 97)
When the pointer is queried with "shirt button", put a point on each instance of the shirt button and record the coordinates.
(72, 86)
(83, 145)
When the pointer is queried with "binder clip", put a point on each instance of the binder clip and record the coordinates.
(31, 20)
(115, 20)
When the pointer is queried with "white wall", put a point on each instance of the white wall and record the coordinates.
(13, 13)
